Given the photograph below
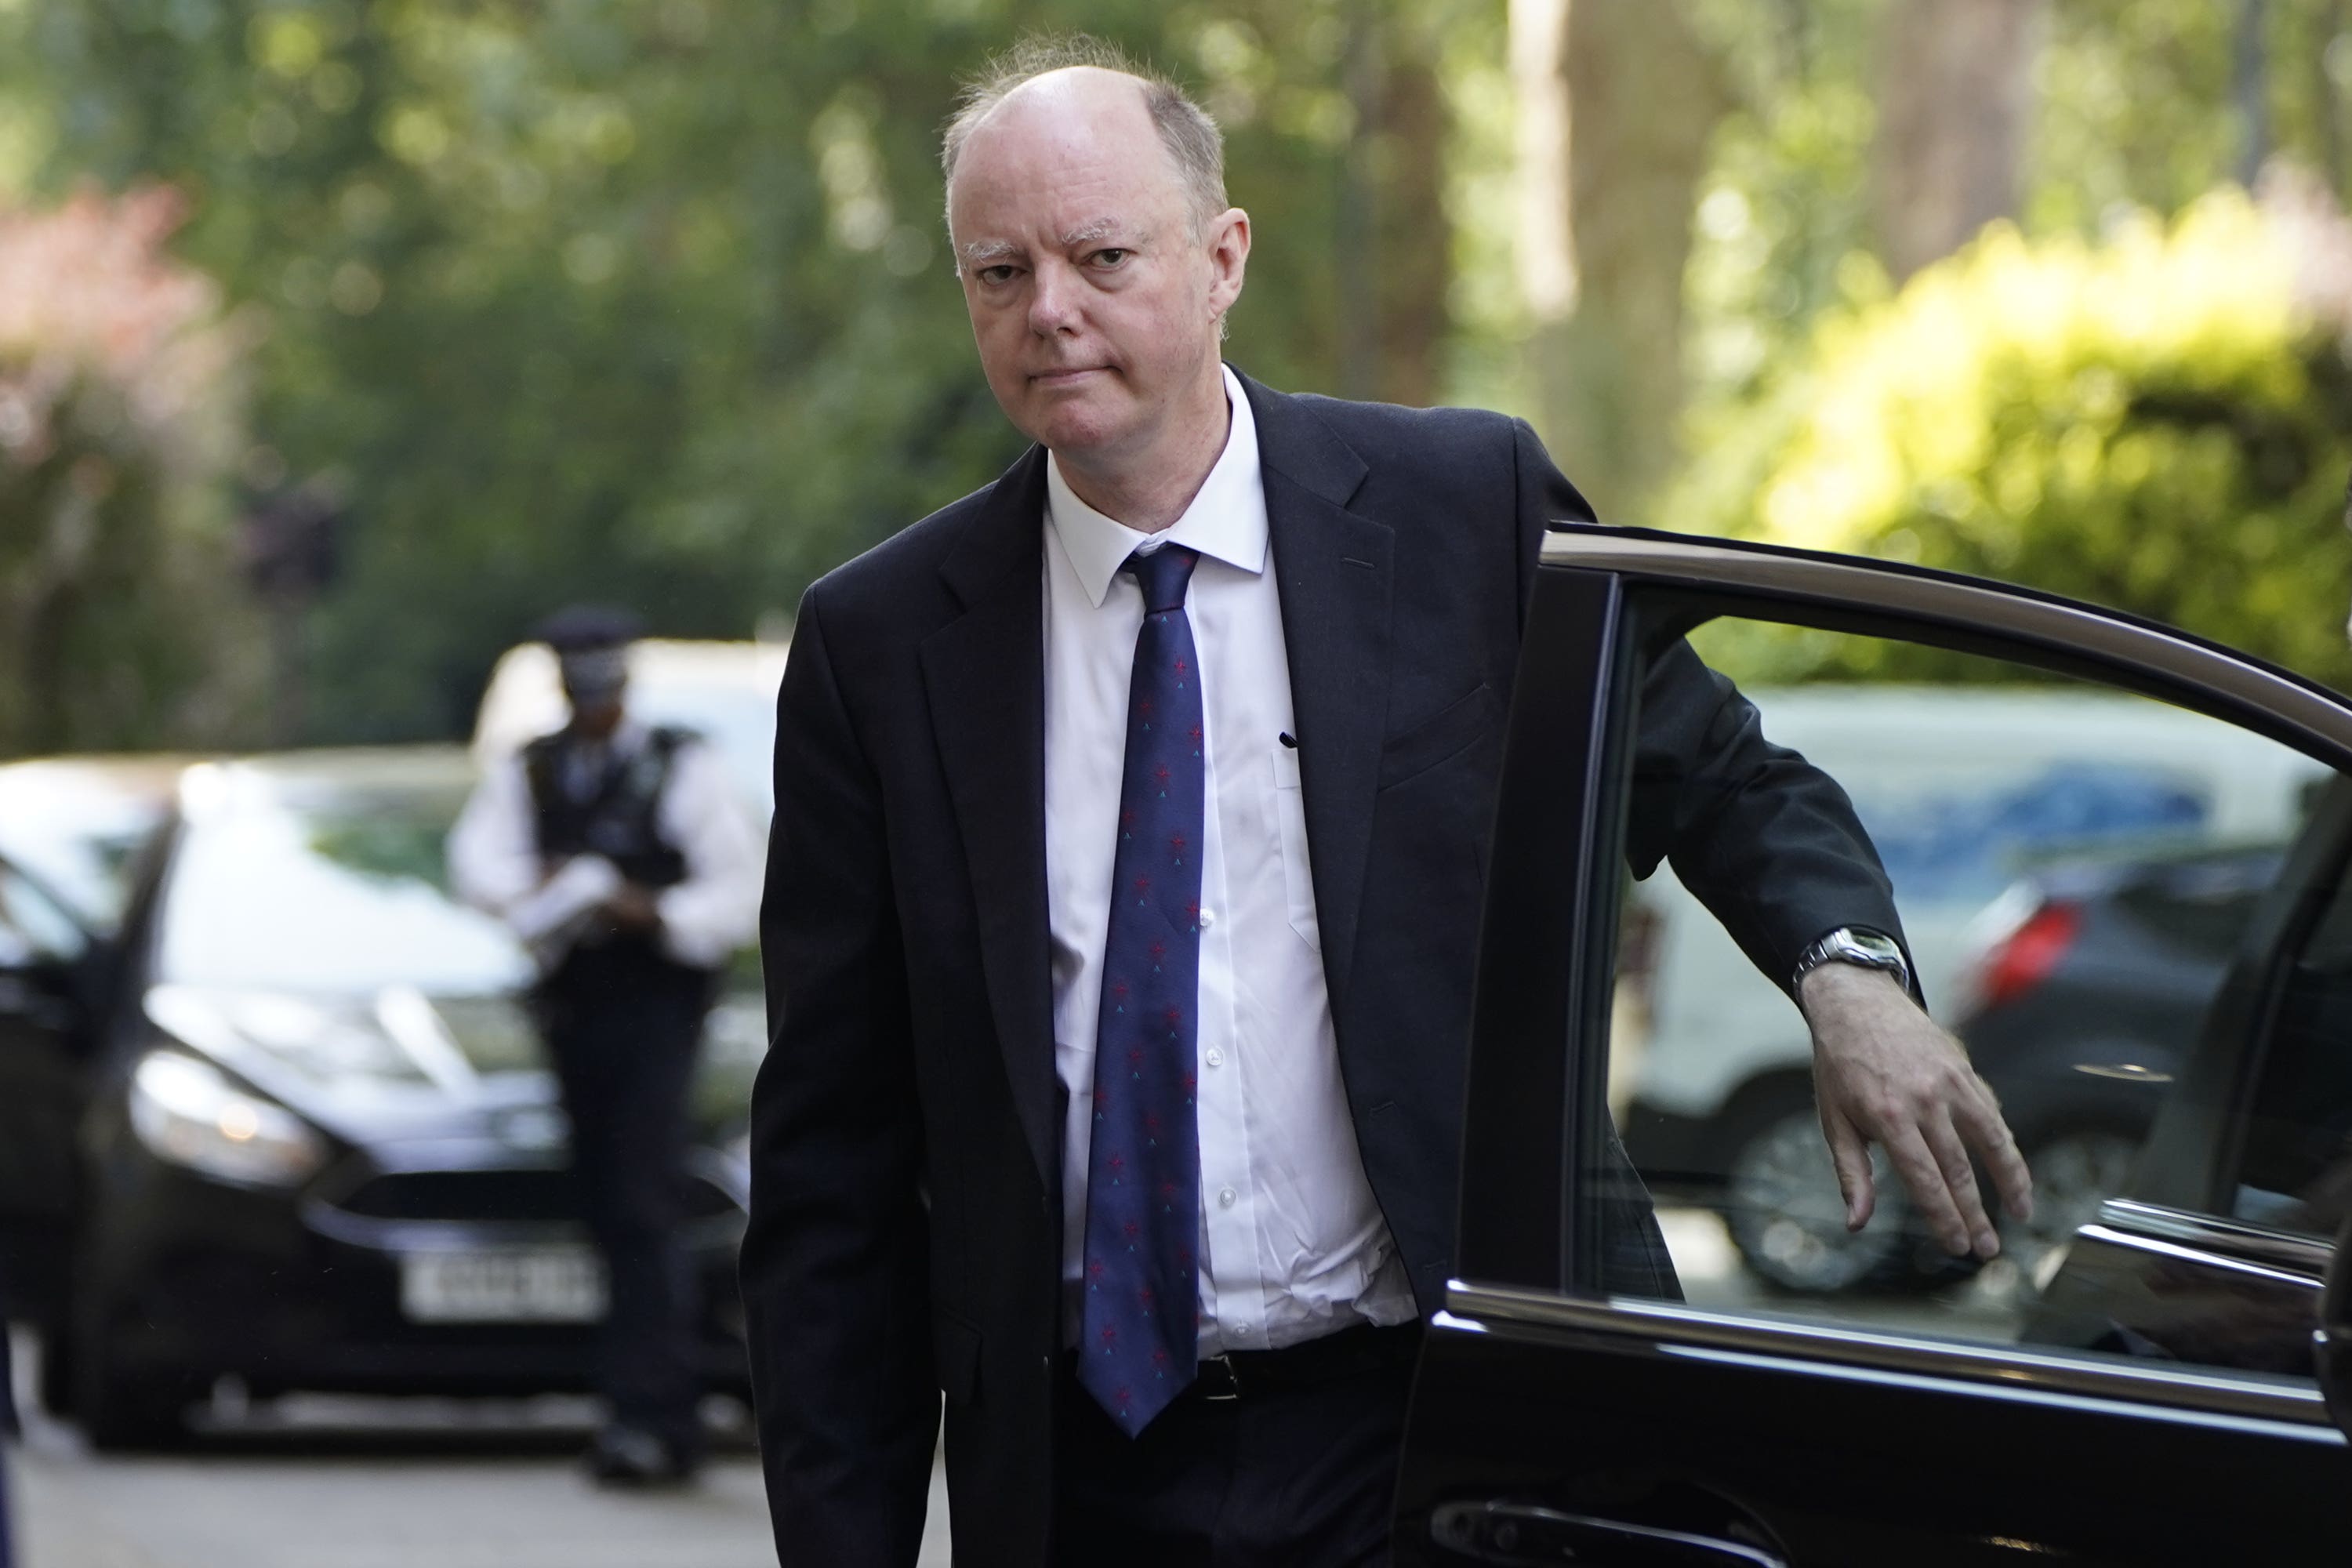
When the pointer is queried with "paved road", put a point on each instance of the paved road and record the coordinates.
(380, 1484)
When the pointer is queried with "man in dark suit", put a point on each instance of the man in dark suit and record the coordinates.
(1122, 907)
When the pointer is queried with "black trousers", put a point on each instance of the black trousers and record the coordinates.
(622, 1024)
(1282, 1476)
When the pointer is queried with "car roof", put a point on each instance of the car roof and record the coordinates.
(131, 776)
(524, 696)
(354, 771)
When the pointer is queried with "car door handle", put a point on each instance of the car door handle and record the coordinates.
(1515, 1532)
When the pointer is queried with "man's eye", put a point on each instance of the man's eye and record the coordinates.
(1110, 257)
(1000, 273)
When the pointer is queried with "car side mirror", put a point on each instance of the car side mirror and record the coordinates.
(2331, 1342)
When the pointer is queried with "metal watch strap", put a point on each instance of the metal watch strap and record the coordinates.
(1863, 946)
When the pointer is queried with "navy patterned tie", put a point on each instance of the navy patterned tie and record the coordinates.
(1137, 1341)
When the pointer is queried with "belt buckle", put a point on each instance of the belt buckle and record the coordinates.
(1218, 1379)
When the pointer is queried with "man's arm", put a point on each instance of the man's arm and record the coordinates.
(1771, 846)
(492, 850)
(712, 913)
(495, 866)
(835, 1276)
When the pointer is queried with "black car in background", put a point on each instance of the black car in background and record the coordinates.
(73, 831)
(317, 1148)
(2086, 986)
(2095, 978)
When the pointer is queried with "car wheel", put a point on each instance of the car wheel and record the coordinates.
(124, 1408)
(2073, 1173)
(53, 1371)
(1787, 1219)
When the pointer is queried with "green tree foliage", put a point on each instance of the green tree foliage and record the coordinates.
(2161, 423)
(121, 625)
(638, 299)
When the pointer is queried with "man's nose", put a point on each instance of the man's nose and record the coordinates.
(1054, 300)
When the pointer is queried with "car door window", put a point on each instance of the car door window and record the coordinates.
(33, 927)
(2290, 1167)
(2079, 870)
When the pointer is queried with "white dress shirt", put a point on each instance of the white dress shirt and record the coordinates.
(1292, 1243)
(495, 863)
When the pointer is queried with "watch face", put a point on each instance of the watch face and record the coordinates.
(1874, 947)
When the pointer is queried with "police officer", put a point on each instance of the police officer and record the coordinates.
(624, 857)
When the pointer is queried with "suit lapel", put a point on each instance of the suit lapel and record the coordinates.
(1333, 572)
(985, 673)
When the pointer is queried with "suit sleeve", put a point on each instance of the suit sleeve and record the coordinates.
(834, 1269)
(1767, 841)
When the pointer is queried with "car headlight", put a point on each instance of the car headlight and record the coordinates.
(186, 1112)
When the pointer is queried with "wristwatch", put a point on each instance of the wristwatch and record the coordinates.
(1853, 945)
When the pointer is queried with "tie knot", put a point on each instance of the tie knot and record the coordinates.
(1162, 575)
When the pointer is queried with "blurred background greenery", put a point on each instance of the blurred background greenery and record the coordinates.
(341, 339)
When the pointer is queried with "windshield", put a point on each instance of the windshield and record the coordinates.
(80, 837)
(342, 891)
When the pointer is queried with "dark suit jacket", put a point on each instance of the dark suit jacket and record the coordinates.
(905, 1234)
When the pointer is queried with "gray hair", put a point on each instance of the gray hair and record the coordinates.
(1194, 141)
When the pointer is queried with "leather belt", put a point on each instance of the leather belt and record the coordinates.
(1351, 1352)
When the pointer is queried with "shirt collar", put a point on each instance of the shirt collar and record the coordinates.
(1226, 518)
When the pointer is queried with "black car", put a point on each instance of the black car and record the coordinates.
(2084, 988)
(2163, 1403)
(72, 834)
(2094, 981)
(317, 1147)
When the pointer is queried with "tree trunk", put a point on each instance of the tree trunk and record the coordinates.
(2250, 89)
(1413, 235)
(1395, 265)
(1643, 96)
(1956, 100)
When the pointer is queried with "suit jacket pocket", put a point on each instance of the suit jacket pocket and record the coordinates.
(955, 1355)
(1446, 734)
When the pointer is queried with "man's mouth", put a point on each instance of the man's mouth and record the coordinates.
(1064, 377)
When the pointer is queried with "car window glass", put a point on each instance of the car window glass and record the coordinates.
(2294, 1165)
(2076, 869)
(333, 894)
(33, 925)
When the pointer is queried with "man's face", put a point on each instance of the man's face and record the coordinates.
(595, 715)
(1095, 295)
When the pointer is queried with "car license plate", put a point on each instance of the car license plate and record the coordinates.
(508, 1285)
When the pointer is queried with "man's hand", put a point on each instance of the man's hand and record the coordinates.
(634, 907)
(1884, 1073)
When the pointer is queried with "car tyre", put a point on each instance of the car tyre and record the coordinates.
(2074, 1170)
(53, 1370)
(122, 1408)
(1787, 1219)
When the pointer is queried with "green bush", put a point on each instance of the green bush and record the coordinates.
(2161, 423)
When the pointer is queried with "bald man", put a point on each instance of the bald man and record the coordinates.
(1123, 899)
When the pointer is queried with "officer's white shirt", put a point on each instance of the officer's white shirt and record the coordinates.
(1293, 1243)
(495, 864)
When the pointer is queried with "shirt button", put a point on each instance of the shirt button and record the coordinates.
(1208, 919)
(1216, 1058)
(1227, 1197)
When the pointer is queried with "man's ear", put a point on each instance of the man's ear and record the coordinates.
(1228, 244)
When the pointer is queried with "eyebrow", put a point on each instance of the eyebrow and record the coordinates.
(980, 252)
(987, 252)
(1088, 233)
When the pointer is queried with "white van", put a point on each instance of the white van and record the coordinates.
(1960, 789)
(724, 692)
